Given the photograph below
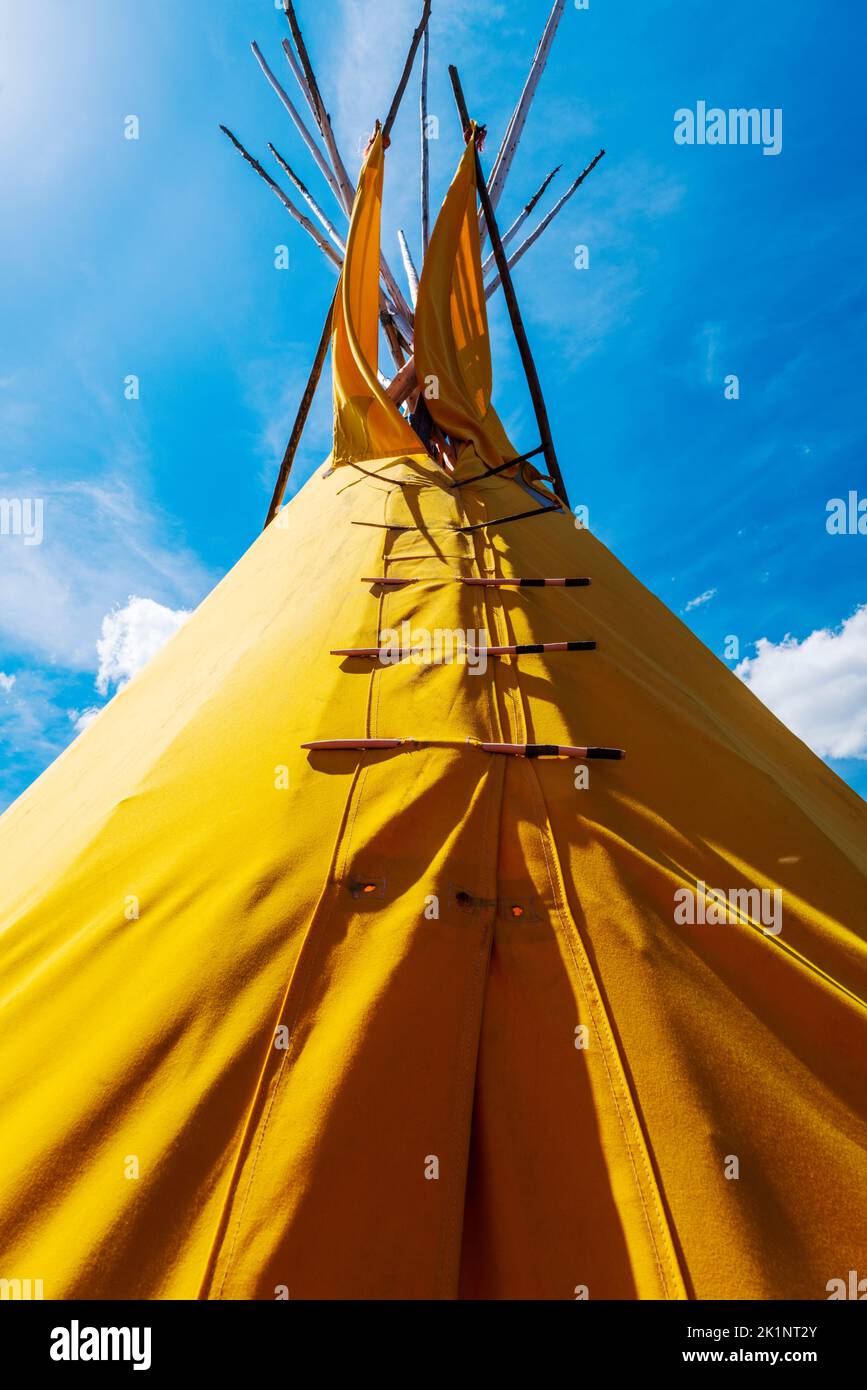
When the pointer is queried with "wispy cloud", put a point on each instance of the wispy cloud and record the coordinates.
(708, 342)
(102, 543)
(273, 393)
(700, 600)
(34, 727)
(612, 214)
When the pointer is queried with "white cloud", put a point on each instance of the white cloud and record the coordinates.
(817, 687)
(35, 717)
(702, 598)
(102, 543)
(80, 719)
(130, 637)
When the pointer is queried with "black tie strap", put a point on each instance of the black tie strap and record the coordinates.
(389, 658)
(387, 582)
(477, 526)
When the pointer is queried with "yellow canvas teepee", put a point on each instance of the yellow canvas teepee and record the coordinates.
(425, 1020)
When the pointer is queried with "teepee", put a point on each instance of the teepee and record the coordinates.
(345, 956)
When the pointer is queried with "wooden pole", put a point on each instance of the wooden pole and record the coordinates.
(309, 199)
(313, 231)
(398, 333)
(409, 267)
(303, 412)
(403, 384)
(341, 193)
(385, 305)
(515, 128)
(294, 64)
(308, 139)
(404, 313)
(392, 337)
(545, 222)
(512, 303)
(519, 221)
(421, 28)
(323, 120)
(425, 152)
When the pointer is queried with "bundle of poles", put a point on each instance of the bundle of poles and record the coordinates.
(397, 308)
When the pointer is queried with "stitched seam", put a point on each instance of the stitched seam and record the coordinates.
(461, 1122)
(498, 688)
(599, 1009)
(375, 686)
(302, 964)
(464, 1079)
(452, 1223)
(579, 967)
(593, 1010)
(315, 953)
(337, 868)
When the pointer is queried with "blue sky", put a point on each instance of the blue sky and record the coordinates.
(156, 258)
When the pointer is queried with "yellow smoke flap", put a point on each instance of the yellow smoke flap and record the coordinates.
(367, 424)
(452, 342)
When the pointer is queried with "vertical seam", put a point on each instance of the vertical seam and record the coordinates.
(467, 1063)
(309, 954)
(599, 1010)
(257, 1117)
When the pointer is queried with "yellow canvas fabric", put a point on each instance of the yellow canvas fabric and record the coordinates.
(367, 424)
(452, 343)
(424, 1023)
(185, 882)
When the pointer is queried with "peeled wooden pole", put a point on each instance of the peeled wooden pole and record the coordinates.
(324, 245)
(323, 120)
(545, 222)
(325, 221)
(522, 216)
(514, 750)
(397, 332)
(394, 339)
(409, 267)
(387, 309)
(403, 384)
(421, 28)
(324, 167)
(405, 381)
(519, 649)
(515, 128)
(294, 64)
(512, 303)
(303, 412)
